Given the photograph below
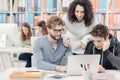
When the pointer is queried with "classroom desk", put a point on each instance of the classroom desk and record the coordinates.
(5, 75)
(14, 49)
(10, 51)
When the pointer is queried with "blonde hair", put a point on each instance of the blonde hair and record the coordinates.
(53, 21)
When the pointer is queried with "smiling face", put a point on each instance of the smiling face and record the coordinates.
(25, 30)
(56, 32)
(79, 13)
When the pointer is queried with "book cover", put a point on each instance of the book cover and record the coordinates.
(32, 5)
(97, 5)
(93, 2)
(4, 18)
(29, 4)
(36, 20)
(44, 5)
(8, 19)
(103, 6)
(5, 4)
(39, 5)
(112, 20)
(16, 18)
(26, 74)
(21, 6)
(30, 19)
(49, 5)
(35, 5)
(1, 18)
(15, 5)
(118, 5)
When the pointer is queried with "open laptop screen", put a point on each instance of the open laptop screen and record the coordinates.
(75, 61)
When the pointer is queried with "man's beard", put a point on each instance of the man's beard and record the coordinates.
(54, 37)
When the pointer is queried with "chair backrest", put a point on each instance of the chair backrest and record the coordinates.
(32, 61)
(33, 39)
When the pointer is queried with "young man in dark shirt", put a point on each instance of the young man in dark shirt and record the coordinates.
(106, 45)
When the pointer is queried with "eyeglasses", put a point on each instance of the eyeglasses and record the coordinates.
(58, 31)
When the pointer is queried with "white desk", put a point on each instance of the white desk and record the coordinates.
(10, 51)
(5, 75)
(14, 50)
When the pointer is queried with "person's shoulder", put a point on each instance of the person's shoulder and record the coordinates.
(65, 17)
(117, 43)
(61, 39)
(94, 21)
(41, 39)
(90, 43)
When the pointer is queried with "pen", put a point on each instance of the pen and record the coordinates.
(81, 65)
(88, 66)
(85, 67)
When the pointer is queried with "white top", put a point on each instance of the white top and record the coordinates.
(76, 32)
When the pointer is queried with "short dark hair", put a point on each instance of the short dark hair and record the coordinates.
(88, 10)
(53, 21)
(41, 23)
(100, 31)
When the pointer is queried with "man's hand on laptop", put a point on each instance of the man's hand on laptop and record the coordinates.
(61, 68)
(101, 69)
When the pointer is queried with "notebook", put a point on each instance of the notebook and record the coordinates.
(23, 74)
(75, 62)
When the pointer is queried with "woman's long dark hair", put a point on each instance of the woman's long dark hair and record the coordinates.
(88, 11)
(44, 28)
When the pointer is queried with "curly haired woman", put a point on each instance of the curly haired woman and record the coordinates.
(79, 22)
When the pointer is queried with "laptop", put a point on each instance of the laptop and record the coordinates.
(77, 63)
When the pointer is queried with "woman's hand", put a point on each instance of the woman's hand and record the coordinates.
(67, 43)
(82, 46)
